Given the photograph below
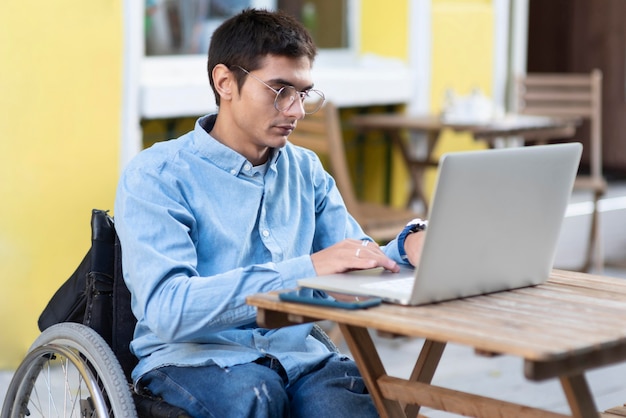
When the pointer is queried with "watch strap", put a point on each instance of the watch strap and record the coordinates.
(413, 226)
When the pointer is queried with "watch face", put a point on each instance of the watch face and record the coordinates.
(418, 226)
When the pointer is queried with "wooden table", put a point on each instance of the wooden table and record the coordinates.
(537, 128)
(561, 329)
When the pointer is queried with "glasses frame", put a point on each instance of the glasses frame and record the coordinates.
(301, 94)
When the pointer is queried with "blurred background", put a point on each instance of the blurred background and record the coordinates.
(85, 85)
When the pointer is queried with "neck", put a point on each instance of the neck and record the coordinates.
(256, 155)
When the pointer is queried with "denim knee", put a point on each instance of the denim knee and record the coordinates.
(335, 389)
(160, 384)
(247, 390)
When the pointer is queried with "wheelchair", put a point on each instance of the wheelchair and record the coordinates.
(80, 364)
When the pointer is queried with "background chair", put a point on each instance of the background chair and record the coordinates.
(572, 96)
(321, 133)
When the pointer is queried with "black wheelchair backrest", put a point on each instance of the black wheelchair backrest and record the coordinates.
(96, 295)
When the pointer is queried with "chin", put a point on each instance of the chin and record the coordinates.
(281, 144)
(278, 142)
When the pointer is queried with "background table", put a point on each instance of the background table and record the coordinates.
(572, 323)
(394, 124)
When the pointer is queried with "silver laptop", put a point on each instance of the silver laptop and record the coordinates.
(493, 225)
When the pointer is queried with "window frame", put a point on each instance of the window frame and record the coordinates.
(173, 86)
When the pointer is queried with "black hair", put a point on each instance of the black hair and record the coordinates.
(244, 39)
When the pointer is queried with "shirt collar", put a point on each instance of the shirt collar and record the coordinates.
(222, 156)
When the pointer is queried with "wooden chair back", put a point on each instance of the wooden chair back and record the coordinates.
(572, 96)
(567, 95)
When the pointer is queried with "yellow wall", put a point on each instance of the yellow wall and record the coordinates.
(462, 59)
(384, 28)
(60, 97)
(385, 32)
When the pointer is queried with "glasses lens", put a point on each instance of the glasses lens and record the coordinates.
(312, 101)
(285, 98)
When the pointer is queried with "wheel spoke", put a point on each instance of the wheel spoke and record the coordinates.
(69, 372)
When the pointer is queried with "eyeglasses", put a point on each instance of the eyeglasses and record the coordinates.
(312, 100)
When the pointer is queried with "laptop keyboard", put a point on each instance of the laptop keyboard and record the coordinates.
(396, 285)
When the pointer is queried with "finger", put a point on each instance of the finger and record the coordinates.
(370, 245)
(373, 257)
(372, 250)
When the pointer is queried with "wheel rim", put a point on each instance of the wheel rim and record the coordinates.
(40, 394)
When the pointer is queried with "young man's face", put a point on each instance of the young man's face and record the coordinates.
(253, 111)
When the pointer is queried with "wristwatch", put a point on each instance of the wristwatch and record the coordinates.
(413, 226)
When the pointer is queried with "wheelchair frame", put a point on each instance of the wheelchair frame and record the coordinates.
(93, 383)
(87, 351)
(84, 349)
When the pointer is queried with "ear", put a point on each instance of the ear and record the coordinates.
(224, 82)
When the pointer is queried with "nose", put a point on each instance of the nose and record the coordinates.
(296, 110)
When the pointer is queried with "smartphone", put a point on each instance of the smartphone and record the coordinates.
(326, 298)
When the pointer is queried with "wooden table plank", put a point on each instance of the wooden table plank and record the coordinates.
(468, 404)
(416, 322)
(570, 324)
(570, 313)
(585, 280)
(474, 327)
(617, 411)
(567, 365)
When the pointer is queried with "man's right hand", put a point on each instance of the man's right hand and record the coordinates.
(351, 254)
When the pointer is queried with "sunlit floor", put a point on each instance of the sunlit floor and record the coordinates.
(502, 377)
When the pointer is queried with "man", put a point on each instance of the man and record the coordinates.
(232, 209)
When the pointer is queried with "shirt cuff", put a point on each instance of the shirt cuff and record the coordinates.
(294, 269)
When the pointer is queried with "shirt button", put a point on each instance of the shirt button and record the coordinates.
(233, 172)
(266, 233)
(247, 167)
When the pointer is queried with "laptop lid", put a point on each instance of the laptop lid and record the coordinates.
(494, 224)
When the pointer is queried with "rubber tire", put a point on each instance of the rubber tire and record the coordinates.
(86, 351)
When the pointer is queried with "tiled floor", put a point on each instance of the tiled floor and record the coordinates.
(502, 377)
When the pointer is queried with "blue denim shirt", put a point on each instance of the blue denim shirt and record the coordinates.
(201, 229)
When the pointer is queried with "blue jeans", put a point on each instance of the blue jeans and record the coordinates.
(260, 389)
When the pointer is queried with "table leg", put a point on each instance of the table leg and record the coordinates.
(366, 357)
(579, 396)
(417, 390)
(415, 166)
(424, 369)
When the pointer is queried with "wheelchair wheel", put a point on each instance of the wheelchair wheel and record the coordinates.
(70, 371)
